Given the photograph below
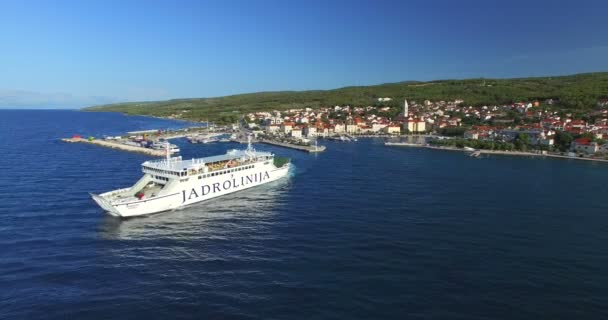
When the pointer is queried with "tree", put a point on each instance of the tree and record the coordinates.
(522, 141)
(563, 139)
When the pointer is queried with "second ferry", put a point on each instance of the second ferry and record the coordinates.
(171, 183)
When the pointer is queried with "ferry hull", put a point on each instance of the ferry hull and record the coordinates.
(191, 192)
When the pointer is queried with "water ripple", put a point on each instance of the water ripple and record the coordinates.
(359, 231)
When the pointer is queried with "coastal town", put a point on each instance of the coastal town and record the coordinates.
(537, 126)
(523, 128)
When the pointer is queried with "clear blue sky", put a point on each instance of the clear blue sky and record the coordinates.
(76, 53)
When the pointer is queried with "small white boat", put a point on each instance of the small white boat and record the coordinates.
(208, 140)
(160, 145)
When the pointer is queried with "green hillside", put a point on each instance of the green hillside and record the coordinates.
(578, 92)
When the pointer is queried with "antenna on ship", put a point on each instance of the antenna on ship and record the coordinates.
(167, 151)
(249, 146)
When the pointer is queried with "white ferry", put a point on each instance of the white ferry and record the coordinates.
(171, 183)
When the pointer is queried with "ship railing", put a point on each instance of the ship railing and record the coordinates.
(115, 192)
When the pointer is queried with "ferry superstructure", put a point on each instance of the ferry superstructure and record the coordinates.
(172, 182)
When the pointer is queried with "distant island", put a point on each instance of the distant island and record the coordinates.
(577, 94)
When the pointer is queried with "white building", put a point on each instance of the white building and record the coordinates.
(352, 128)
(286, 127)
(393, 129)
(296, 133)
(273, 128)
(376, 127)
(310, 131)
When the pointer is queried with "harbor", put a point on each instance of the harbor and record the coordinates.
(152, 142)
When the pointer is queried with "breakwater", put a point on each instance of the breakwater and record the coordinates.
(311, 149)
(117, 145)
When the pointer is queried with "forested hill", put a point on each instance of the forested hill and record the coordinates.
(580, 91)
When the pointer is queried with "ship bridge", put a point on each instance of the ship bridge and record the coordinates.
(176, 167)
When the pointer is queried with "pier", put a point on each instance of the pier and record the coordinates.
(403, 144)
(311, 149)
(117, 145)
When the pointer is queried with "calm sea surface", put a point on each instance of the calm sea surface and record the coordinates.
(361, 231)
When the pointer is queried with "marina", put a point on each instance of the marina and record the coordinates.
(151, 142)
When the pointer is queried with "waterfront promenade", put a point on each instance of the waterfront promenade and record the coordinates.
(493, 152)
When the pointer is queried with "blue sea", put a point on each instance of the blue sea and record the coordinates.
(361, 231)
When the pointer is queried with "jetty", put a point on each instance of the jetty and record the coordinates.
(403, 144)
(117, 145)
(311, 149)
